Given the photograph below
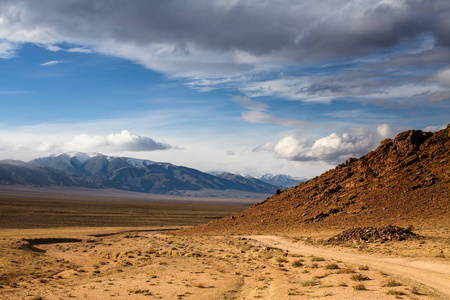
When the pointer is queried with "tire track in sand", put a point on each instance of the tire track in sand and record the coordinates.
(433, 275)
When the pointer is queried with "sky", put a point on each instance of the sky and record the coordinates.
(250, 87)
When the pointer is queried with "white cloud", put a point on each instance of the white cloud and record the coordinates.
(287, 88)
(438, 96)
(53, 48)
(333, 148)
(79, 50)
(443, 76)
(257, 114)
(52, 63)
(7, 49)
(435, 128)
(265, 118)
(47, 147)
(250, 104)
(123, 141)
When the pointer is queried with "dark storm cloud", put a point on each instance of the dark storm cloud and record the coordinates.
(299, 30)
(212, 43)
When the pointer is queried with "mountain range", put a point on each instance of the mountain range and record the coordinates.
(283, 181)
(124, 173)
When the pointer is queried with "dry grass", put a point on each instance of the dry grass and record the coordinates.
(391, 283)
(315, 259)
(332, 266)
(395, 293)
(297, 263)
(25, 213)
(347, 270)
(359, 287)
(359, 277)
(307, 283)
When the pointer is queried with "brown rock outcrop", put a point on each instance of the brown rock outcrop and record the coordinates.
(374, 234)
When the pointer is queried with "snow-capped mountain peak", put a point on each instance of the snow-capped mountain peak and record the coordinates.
(140, 163)
(281, 180)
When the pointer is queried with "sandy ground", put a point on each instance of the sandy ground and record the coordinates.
(155, 265)
(434, 275)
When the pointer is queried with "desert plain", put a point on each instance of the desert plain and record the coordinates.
(94, 248)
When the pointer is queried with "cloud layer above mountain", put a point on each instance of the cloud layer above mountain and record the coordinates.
(334, 148)
(111, 143)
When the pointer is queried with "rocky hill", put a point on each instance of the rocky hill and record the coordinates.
(405, 181)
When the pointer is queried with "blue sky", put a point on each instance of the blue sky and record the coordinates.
(242, 86)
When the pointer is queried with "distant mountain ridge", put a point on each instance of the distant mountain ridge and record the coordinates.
(123, 173)
(283, 181)
(280, 180)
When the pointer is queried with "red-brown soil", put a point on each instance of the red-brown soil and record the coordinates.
(405, 181)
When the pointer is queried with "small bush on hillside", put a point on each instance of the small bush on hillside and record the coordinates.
(297, 263)
(391, 283)
(359, 287)
(359, 277)
(314, 258)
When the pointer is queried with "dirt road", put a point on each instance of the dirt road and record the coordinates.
(433, 275)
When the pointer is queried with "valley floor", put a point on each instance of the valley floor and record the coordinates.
(143, 264)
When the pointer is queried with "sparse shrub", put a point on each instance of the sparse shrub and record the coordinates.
(395, 293)
(359, 277)
(363, 268)
(312, 282)
(322, 276)
(314, 266)
(322, 242)
(359, 287)
(139, 291)
(314, 258)
(281, 260)
(342, 284)
(347, 270)
(391, 283)
(297, 263)
(332, 266)
(415, 290)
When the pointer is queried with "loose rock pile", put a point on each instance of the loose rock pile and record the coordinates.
(374, 234)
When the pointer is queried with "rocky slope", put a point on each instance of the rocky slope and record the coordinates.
(405, 181)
